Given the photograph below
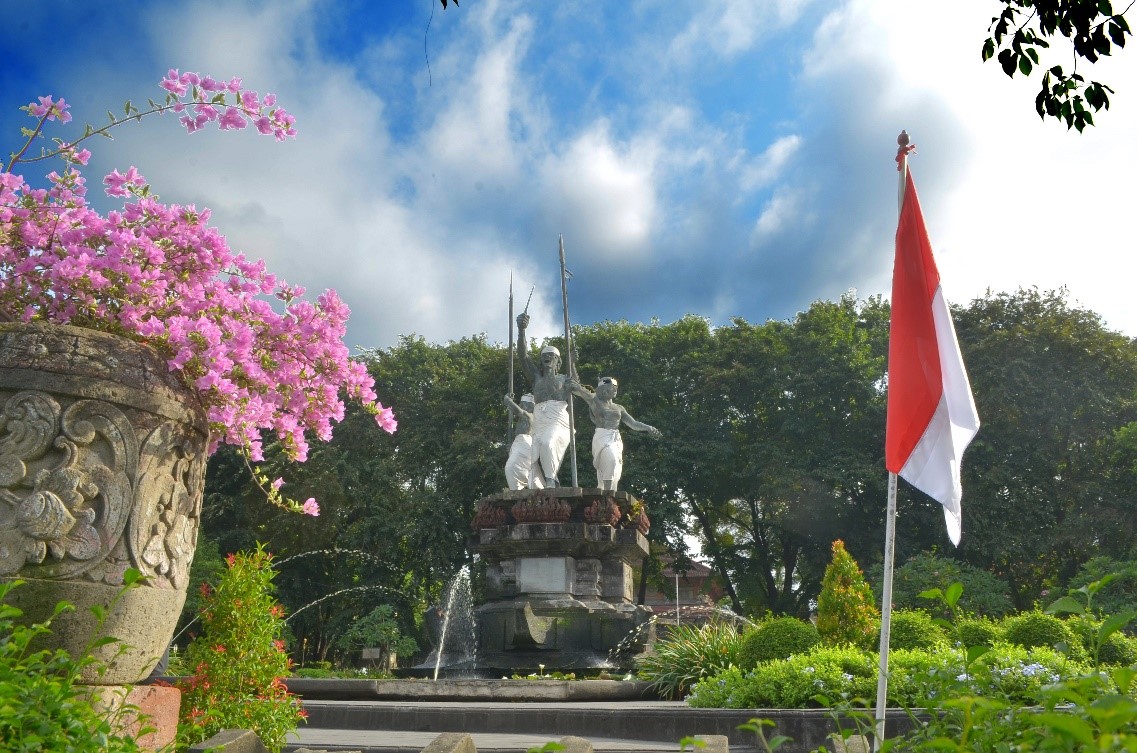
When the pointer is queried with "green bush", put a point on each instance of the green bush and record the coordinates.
(42, 705)
(826, 673)
(1035, 629)
(1118, 649)
(778, 638)
(1115, 597)
(239, 659)
(688, 654)
(911, 628)
(846, 612)
(977, 631)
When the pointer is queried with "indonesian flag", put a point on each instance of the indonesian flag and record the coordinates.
(931, 414)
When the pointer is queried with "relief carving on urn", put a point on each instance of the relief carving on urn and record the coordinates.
(69, 476)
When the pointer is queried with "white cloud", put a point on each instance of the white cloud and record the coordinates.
(783, 210)
(605, 191)
(1010, 200)
(728, 28)
(769, 165)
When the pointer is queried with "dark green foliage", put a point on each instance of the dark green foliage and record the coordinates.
(977, 631)
(778, 638)
(1026, 27)
(378, 629)
(42, 705)
(1035, 629)
(912, 628)
(983, 593)
(1117, 596)
(1052, 386)
(688, 654)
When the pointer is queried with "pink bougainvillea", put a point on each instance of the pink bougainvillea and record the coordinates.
(161, 274)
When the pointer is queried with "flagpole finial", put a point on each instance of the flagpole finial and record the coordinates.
(906, 148)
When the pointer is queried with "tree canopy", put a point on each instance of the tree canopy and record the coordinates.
(772, 448)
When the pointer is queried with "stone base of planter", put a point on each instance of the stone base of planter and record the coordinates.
(151, 706)
(140, 618)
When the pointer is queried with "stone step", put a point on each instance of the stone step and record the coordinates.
(651, 725)
(387, 741)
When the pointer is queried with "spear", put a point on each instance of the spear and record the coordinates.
(509, 436)
(568, 359)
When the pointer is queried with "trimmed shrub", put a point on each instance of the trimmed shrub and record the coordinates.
(911, 628)
(1118, 649)
(977, 631)
(779, 638)
(688, 654)
(834, 673)
(846, 612)
(1035, 629)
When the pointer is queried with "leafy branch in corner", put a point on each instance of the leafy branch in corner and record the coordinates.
(1026, 26)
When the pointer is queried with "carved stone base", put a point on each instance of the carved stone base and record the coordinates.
(559, 591)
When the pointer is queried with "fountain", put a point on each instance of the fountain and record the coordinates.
(559, 571)
(457, 646)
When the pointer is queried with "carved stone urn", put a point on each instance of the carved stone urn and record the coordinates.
(102, 464)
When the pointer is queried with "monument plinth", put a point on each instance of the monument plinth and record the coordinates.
(559, 579)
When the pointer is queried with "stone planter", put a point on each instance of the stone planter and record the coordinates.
(102, 463)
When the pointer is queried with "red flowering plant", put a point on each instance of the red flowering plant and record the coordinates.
(238, 660)
(260, 355)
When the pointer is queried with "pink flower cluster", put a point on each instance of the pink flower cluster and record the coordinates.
(162, 275)
(210, 101)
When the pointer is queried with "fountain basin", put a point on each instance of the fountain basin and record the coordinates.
(471, 690)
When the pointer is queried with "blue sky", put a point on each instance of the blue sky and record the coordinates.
(714, 157)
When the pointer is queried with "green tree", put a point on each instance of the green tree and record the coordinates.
(1093, 28)
(846, 612)
(1052, 386)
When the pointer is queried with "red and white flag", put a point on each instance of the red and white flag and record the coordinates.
(931, 413)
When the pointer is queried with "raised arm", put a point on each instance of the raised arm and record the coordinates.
(635, 425)
(527, 364)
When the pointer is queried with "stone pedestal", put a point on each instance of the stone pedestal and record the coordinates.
(560, 589)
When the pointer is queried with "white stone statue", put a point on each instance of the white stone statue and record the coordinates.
(607, 444)
(520, 452)
(550, 414)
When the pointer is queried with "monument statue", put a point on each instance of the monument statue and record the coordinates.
(607, 444)
(517, 467)
(551, 433)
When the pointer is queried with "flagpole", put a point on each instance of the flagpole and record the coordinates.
(890, 520)
(569, 368)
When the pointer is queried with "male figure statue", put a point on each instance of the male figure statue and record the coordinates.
(517, 467)
(607, 444)
(550, 415)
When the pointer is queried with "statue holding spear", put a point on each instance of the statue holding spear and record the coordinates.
(552, 417)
